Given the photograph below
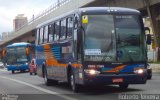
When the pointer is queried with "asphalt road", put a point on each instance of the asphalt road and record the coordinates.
(22, 86)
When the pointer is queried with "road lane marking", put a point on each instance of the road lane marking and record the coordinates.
(41, 89)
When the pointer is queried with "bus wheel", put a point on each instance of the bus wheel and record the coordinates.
(13, 72)
(74, 86)
(123, 86)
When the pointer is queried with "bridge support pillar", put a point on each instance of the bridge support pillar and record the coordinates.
(154, 16)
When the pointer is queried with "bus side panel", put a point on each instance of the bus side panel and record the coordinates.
(62, 55)
(56, 56)
(40, 58)
(55, 60)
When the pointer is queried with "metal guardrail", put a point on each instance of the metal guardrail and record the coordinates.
(44, 13)
(49, 10)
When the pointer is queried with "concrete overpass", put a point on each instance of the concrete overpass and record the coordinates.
(29, 28)
(147, 7)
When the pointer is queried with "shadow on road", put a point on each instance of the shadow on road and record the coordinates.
(109, 89)
(96, 90)
(19, 72)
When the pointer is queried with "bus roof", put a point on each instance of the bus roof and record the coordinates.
(86, 10)
(19, 44)
(108, 10)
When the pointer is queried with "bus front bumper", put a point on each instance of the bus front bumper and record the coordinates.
(103, 79)
(13, 67)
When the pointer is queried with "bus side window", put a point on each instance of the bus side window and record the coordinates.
(57, 28)
(41, 35)
(69, 27)
(63, 29)
(46, 34)
(53, 30)
(50, 33)
(37, 36)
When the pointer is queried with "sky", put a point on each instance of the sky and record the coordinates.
(11, 8)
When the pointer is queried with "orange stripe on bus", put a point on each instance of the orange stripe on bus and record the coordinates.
(47, 46)
(77, 65)
(116, 69)
(51, 60)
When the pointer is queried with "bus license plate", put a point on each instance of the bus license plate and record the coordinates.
(117, 80)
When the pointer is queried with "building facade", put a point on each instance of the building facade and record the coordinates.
(19, 21)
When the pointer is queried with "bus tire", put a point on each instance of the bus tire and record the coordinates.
(75, 87)
(13, 72)
(123, 86)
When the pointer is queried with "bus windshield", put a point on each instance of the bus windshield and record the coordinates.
(11, 58)
(15, 55)
(113, 38)
(21, 54)
(130, 38)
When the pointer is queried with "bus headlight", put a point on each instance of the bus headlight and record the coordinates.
(91, 71)
(139, 71)
(26, 63)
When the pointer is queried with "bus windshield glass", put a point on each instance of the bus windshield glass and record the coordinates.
(21, 54)
(11, 56)
(17, 54)
(113, 38)
(99, 39)
(130, 38)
